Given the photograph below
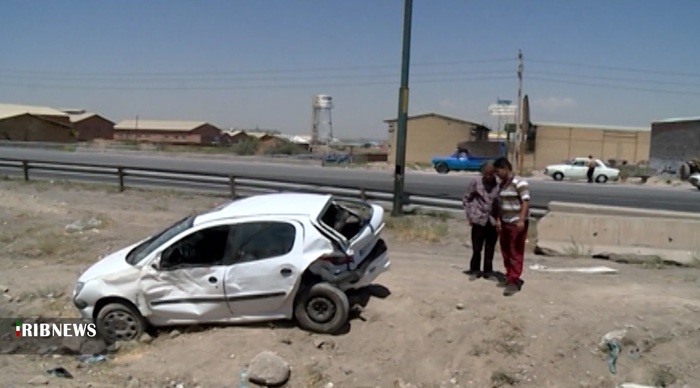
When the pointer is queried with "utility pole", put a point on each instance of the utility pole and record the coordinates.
(402, 119)
(518, 117)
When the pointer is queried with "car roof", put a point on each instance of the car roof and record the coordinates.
(282, 204)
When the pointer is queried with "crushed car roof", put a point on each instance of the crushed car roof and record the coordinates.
(269, 204)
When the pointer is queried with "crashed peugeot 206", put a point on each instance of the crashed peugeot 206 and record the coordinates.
(269, 257)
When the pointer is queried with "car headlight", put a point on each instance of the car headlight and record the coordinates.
(78, 287)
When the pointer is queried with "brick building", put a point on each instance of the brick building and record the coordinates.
(168, 132)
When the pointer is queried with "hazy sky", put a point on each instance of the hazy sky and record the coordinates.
(250, 63)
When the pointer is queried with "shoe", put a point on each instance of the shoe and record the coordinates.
(488, 275)
(473, 273)
(511, 289)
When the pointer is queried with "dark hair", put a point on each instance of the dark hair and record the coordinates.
(590, 156)
(487, 163)
(503, 163)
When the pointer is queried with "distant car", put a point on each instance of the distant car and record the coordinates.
(578, 169)
(694, 180)
(267, 257)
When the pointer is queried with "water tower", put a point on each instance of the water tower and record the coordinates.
(321, 121)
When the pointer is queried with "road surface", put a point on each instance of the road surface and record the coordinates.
(445, 186)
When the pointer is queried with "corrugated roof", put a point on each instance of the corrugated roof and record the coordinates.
(418, 116)
(678, 119)
(12, 110)
(593, 126)
(158, 125)
(74, 118)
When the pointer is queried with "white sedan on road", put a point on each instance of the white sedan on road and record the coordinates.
(695, 180)
(578, 169)
(263, 258)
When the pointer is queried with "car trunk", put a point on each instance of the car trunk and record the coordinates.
(355, 227)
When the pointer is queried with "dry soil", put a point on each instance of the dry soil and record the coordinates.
(435, 328)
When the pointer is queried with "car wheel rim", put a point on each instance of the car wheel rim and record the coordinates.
(320, 310)
(121, 325)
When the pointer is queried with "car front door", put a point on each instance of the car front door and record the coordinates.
(578, 170)
(264, 268)
(186, 282)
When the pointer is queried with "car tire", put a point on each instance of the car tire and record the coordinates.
(557, 176)
(120, 322)
(322, 308)
(601, 179)
(442, 168)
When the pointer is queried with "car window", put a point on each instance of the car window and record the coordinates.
(261, 240)
(204, 248)
(579, 163)
(145, 248)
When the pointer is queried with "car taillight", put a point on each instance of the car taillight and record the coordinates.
(337, 259)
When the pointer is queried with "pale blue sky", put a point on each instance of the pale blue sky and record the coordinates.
(254, 63)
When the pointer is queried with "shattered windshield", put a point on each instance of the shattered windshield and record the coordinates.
(145, 248)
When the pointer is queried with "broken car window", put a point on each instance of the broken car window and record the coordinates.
(262, 240)
(204, 248)
(145, 248)
(347, 217)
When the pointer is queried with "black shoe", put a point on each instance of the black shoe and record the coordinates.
(511, 289)
(473, 272)
(488, 275)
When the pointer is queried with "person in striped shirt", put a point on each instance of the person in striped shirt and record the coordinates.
(512, 215)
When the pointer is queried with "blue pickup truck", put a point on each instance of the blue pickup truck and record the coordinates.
(463, 160)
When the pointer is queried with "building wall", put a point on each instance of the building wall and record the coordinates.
(32, 128)
(94, 127)
(427, 137)
(673, 143)
(556, 144)
(169, 137)
(208, 134)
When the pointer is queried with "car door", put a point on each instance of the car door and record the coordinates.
(185, 281)
(578, 169)
(264, 268)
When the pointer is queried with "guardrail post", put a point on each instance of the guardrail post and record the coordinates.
(120, 174)
(232, 185)
(363, 194)
(25, 169)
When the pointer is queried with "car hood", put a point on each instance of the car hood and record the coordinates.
(112, 264)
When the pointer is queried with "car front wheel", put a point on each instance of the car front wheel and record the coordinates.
(442, 168)
(322, 308)
(601, 179)
(119, 322)
(558, 176)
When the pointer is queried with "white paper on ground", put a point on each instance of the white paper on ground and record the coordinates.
(589, 270)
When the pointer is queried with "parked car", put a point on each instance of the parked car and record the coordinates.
(694, 180)
(267, 257)
(578, 169)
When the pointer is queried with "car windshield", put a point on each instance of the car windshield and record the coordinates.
(145, 248)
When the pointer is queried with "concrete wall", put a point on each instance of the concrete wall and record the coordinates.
(32, 128)
(673, 143)
(556, 144)
(623, 233)
(430, 136)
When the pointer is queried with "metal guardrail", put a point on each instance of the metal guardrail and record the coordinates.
(237, 186)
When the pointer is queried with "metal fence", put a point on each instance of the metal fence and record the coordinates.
(235, 186)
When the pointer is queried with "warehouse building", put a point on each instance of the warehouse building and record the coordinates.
(167, 132)
(674, 141)
(35, 124)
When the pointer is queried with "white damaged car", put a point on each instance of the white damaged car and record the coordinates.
(262, 258)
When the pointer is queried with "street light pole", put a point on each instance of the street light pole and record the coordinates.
(402, 119)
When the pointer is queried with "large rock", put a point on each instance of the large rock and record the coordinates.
(268, 369)
(81, 345)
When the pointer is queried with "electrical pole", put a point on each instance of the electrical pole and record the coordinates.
(518, 116)
(402, 119)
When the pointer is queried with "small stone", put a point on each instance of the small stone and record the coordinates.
(323, 344)
(329, 385)
(146, 339)
(232, 356)
(460, 306)
(174, 333)
(268, 369)
(38, 380)
(5, 289)
(345, 370)
(286, 341)
(8, 297)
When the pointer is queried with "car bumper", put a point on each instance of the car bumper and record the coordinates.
(84, 309)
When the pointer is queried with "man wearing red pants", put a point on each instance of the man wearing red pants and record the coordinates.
(512, 223)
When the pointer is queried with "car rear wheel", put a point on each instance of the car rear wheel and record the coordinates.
(322, 308)
(442, 168)
(119, 322)
(558, 176)
(601, 179)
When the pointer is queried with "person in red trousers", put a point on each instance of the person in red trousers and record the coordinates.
(512, 215)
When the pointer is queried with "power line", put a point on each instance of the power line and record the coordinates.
(247, 87)
(268, 71)
(626, 69)
(658, 82)
(615, 87)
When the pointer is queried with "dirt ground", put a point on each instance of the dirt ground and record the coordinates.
(436, 328)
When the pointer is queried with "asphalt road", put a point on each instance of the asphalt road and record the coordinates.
(446, 186)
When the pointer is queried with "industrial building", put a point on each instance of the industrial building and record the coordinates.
(674, 141)
(550, 143)
(167, 132)
(34, 123)
(90, 126)
(432, 134)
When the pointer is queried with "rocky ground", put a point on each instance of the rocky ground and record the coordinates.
(427, 324)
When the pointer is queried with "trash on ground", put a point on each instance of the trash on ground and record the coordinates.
(633, 385)
(82, 225)
(60, 372)
(614, 349)
(92, 358)
(589, 270)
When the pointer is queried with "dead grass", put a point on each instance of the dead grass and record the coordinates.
(418, 228)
